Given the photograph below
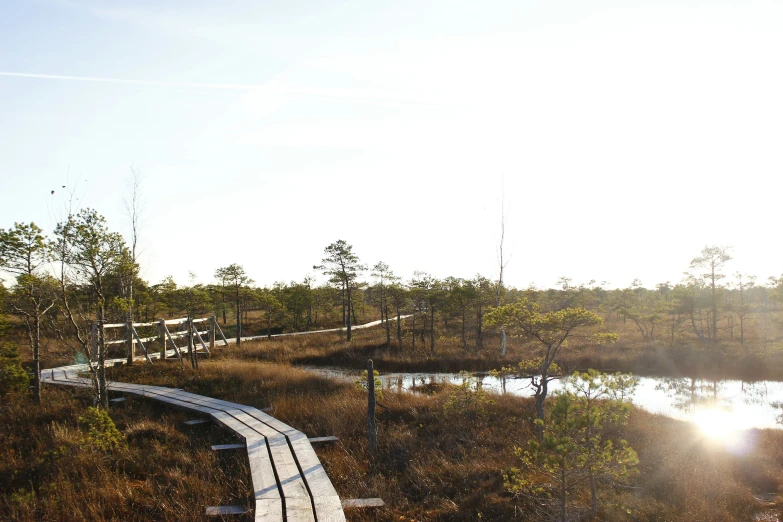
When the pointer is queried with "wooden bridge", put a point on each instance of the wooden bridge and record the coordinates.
(289, 481)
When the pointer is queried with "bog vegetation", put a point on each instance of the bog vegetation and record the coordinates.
(454, 453)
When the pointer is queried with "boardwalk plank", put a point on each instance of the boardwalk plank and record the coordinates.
(299, 509)
(217, 511)
(268, 509)
(329, 509)
(264, 482)
(362, 503)
(330, 438)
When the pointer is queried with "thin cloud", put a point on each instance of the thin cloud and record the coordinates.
(350, 95)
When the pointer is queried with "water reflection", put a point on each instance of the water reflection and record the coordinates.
(716, 406)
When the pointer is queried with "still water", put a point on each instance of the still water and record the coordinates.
(716, 406)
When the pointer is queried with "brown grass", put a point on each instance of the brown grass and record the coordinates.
(164, 471)
(435, 464)
(646, 359)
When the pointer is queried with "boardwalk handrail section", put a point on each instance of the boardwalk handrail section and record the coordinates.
(162, 335)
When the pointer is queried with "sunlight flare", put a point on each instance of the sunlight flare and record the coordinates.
(725, 426)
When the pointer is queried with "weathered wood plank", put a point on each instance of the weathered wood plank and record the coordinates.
(196, 421)
(268, 509)
(113, 325)
(220, 447)
(299, 509)
(265, 484)
(287, 470)
(330, 438)
(351, 503)
(219, 511)
(329, 509)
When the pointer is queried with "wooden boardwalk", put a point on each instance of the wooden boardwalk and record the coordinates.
(289, 481)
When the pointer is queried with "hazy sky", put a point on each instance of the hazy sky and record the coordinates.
(626, 135)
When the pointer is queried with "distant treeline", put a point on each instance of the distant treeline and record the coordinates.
(706, 305)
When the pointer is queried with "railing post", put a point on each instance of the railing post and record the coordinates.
(212, 322)
(131, 341)
(191, 344)
(372, 433)
(162, 335)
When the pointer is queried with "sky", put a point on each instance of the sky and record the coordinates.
(618, 137)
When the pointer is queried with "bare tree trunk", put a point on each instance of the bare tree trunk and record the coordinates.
(133, 207)
(424, 328)
(432, 330)
(464, 336)
(479, 338)
(413, 329)
(350, 309)
(239, 320)
(502, 266)
(399, 329)
(36, 359)
(388, 330)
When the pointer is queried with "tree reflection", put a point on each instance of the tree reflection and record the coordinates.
(754, 392)
(688, 393)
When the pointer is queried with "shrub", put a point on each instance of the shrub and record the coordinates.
(468, 397)
(13, 377)
(361, 384)
(101, 430)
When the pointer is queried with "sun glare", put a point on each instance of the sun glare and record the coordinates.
(716, 423)
(727, 427)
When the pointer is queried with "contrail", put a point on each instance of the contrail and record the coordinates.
(342, 94)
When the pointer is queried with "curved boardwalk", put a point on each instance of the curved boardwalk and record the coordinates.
(288, 479)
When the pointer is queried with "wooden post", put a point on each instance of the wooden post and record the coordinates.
(212, 323)
(239, 324)
(191, 345)
(162, 336)
(189, 341)
(129, 335)
(371, 431)
(94, 336)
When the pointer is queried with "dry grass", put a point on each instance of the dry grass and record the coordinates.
(436, 464)
(49, 472)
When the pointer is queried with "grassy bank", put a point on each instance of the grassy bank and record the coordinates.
(433, 463)
(646, 359)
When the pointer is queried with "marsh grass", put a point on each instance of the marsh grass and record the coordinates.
(641, 358)
(437, 462)
(161, 471)
(434, 462)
